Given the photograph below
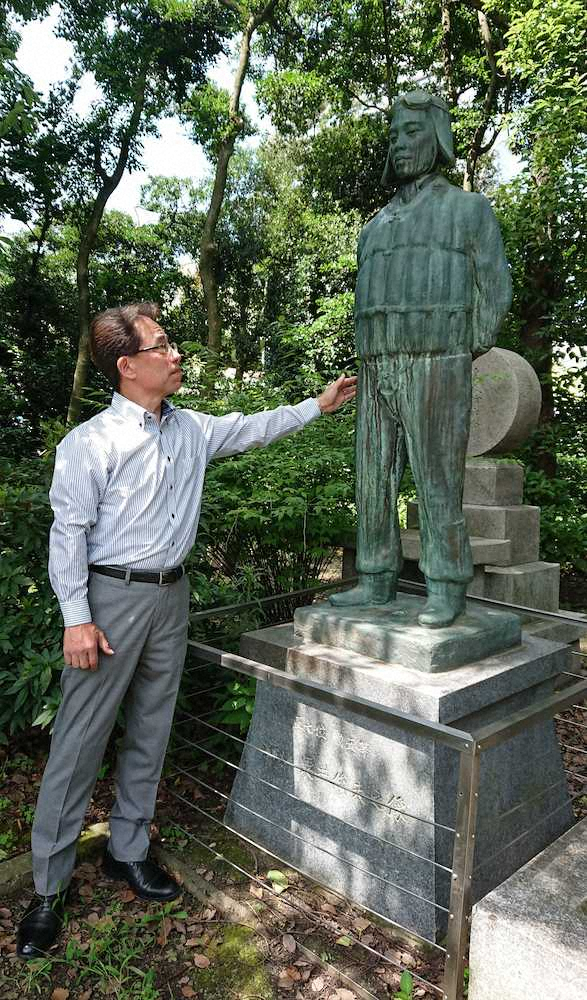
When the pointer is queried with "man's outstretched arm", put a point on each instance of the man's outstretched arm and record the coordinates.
(236, 432)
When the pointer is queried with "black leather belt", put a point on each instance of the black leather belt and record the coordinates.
(140, 576)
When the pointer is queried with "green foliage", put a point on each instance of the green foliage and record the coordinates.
(280, 510)
(406, 987)
(30, 630)
(108, 961)
(293, 98)
(237, 708)
(207, 111)
(563, 517)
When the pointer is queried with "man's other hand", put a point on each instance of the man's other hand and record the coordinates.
(339, 392)
(81, 644)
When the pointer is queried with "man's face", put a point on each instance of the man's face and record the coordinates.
(412, 143)
(156, 371)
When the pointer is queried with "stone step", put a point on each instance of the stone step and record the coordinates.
(520, 524)
(496, 551)
(534, 924)
(531, 585)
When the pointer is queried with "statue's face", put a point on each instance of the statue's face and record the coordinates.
(412, 143)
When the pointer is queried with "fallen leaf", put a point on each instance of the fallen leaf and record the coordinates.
(188, 991)
(361, 924)
(194, 942)
(256, 890)
(278, 880)
(285, 982)
(166, 925)
(345, 941)
(293, 973)
(92, 918)
(5, 913)
(126, 895)
(209, 876)
(59, 994)
(86, 995)
(343, 994)
(288, 943)
(86, 890)
(317, 984)
(201, 961)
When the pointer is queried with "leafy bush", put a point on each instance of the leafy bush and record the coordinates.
(31, 627)
(272, 517)
(563, 517)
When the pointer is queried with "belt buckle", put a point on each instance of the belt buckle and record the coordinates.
(161, 582)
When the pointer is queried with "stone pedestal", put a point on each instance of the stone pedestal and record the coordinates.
(390, 632)
(365, 808)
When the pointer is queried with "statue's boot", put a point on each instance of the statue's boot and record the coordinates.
(446, 601)
(373, 588)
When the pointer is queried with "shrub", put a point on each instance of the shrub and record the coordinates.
(31, 626)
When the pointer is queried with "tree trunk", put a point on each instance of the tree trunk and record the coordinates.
(479, 145)
(538, 345)
(208, 246)
(88, 239)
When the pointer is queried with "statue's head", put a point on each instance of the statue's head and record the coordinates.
(420, 137)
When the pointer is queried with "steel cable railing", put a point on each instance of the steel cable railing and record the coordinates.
(308, 843)
(321, 777)
(289, 902)
(296, 798)
(463, 867)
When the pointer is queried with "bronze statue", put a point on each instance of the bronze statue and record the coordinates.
(433, 287)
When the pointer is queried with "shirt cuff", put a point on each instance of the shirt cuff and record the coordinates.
(309, 410)
(76, 612)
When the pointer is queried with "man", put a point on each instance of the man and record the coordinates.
(433, 287)
(126, 497)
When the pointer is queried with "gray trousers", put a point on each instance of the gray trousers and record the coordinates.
(414, 407)
(146, 626)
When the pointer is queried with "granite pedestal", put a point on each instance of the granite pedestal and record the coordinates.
(363, 807)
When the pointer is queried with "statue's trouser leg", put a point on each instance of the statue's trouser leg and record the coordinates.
(381, 460)
(434, 401)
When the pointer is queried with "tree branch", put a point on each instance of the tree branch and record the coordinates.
(372, 107)
(476, 146)
(233, 6)
(387, 52)
(447, 52)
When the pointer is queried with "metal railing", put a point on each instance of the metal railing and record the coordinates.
(571, 688)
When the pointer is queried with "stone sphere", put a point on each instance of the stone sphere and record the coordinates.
(506, 402)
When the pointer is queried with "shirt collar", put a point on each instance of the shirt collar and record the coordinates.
(404, 193)
(132, 411)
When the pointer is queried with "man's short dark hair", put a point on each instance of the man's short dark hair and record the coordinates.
(114, 333)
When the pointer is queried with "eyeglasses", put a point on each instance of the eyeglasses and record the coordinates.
(166, 348)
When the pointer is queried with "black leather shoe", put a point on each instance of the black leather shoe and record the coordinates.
(40, 926)
(146, 879)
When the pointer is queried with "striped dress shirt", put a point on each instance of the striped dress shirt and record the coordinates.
(127, 489)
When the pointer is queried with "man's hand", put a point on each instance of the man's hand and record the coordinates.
(337, 393)
(81, 643)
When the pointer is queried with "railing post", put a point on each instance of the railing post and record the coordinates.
(459, 919)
